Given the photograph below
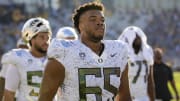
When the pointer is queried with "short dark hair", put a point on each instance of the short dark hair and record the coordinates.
(83, 8)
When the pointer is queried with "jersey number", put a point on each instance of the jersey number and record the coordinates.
(30, 82)
(139, 64)
(83, 89)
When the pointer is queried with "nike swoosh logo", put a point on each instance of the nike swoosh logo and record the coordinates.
(112, 55)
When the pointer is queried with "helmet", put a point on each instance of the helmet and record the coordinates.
(67, 33)
(33, 26)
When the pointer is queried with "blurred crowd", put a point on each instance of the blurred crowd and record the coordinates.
(162, 28)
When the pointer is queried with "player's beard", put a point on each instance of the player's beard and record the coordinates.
(96, 38)
(41, 50)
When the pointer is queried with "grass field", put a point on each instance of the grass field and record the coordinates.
(177, 80)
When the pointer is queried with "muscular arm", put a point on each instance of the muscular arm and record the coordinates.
(2, 84)
(151, 89)
(9, 95)
(124, 92)
(52, 79)
(12, 83)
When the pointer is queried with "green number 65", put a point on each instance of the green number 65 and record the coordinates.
(83, 89)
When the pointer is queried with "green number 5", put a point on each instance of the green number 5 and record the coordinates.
(30, 75)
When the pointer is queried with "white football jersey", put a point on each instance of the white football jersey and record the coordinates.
(138, 77)
(5, 65)
(89, 77)
(29, 72)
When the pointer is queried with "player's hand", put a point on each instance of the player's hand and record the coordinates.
(177, 97)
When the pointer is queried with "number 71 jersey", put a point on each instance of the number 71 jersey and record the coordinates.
(139, 70)
(89, 77)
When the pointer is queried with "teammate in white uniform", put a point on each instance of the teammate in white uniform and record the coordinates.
(26, 69)
(140, 70)
(67, 33)
(5, 65)
(5, 58)
(85, 68)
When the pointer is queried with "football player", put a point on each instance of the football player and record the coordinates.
(141, 61)
(22, 44)
(26, 69)
(85, 68)
(67, 33)
(5, 65)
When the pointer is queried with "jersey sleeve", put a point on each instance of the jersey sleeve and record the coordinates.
(12, 78)
(5, 58)
(125, 57)
(13, 57)
(152, 56)
(148, 54)
(4, 70)
(5, 63)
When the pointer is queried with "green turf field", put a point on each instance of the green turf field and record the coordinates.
(177, 80)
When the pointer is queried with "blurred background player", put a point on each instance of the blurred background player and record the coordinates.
(4, 61)
(67, 33)
(84, 68)
(27, 66)
(22, 44)
(141, 61)
(162, 75)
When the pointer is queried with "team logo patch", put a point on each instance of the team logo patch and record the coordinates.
(112, 55)
(100, 60)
